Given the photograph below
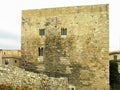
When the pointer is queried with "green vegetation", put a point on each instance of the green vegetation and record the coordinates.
(114, 74)
(10, 87)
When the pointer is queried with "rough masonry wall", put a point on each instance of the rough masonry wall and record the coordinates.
(81, 55)
(13, 56)
(14, 76)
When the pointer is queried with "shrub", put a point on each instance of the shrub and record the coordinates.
(114, 74)
(12, 88)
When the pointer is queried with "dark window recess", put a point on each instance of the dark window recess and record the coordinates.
(115, 57)
(63, 31)
(15, 61)
(41, 32)
(40, 51)
(6, 61)
(72, 88)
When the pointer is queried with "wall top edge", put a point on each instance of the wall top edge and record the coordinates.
(66, 10)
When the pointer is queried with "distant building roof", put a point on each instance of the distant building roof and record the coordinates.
(114, 52)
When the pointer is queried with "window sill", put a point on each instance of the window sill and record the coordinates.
(63, 36)
(42, 36)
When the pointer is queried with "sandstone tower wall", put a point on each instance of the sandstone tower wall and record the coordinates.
(71, 42)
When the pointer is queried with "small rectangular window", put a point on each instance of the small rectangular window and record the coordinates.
(41, 32)
(40, 51)
(63, 31)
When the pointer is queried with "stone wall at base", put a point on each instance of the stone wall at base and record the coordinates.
(19, 77)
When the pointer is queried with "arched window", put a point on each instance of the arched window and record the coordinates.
(40, 51)
(63, 31)
(6, 61)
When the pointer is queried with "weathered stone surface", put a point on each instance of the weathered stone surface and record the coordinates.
(81, 55)
(12, 56)
(19, 77)
(84, 75)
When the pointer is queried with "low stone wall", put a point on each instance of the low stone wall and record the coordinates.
(19, 77)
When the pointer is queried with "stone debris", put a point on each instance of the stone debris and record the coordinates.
(19, 77)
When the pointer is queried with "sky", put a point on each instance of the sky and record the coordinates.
(10, 19)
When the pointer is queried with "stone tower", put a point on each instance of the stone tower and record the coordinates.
(68, 42)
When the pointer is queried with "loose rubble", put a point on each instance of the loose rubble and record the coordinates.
(19, 77)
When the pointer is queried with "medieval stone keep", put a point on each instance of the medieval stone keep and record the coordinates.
(68, 42)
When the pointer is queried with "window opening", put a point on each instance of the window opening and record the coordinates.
(63, 31)
(41, 32)
(40, 50)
